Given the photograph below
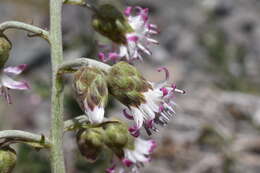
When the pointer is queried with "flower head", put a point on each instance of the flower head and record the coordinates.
(92, 93)
(131, 152)
(148, 103)
(134, 36)
(7, 83)
(90, 143)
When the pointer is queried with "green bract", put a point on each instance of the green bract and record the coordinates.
(127, 84)
(5, 47)
(7, 159)
(111, 23)
(90, 143)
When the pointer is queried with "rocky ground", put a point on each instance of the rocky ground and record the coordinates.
(211, 48)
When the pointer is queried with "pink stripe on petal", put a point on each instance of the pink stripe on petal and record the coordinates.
(133, 38)
(153, 146)
(127, 115)
(16, 69)
(128, 11)
(12, 84)
(102, 57)
(113, 56)
(127, 162)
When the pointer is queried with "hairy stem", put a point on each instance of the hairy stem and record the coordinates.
(75, 2)
(26, 27)
(19, 135)
(57, 158)
(67, 65)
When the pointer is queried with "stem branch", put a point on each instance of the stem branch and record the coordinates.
(19, 135)
(67, 65)
(26, 27)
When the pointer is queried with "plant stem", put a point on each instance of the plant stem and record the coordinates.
(26, 27)
(67, 65)
(57, 158)
(23, 136)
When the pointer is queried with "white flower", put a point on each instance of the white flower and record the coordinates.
(7, 83)
(134, 158)
(157, 108)
(138, 41)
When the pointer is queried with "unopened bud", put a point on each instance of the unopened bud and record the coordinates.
(5, 47)
(90, 143)
(111, 23)
(7, 159)
(92, 92)
(117, 137)
(127, 84)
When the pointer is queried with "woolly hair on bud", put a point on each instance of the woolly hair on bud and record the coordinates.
(111, 23)
(127, 84)
(90, 143)
(7, 159)
(5, 47)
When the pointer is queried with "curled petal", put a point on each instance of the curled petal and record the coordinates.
(134, 131)
(127, 115)
(167, 74)
(127, 162)
(12, 84)
(16, 69)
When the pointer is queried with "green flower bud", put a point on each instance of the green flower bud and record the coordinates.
(7, 159)
(92, 92)
(5, 47)
(126, 84)
(90, 143)
(111, 23)
(117, 137)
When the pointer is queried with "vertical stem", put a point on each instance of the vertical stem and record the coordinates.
(57, 158)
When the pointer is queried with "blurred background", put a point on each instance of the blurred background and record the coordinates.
(212, 49)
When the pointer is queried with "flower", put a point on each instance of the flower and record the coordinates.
(133, 42)
(131, 152)
(148, 103)
(134, 158)
(7, 83)
(157, 108)
(92, 93)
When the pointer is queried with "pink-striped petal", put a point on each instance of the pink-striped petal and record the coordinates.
(12, 84)
(16, 69)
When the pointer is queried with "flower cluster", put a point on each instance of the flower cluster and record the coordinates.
(148, 104)
(134, 37)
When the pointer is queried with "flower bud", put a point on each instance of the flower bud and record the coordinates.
(92, 92)
(127, 84)
(5, 47)
(111, 23)
(117, 137)
(7, 159)
(90, 143)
